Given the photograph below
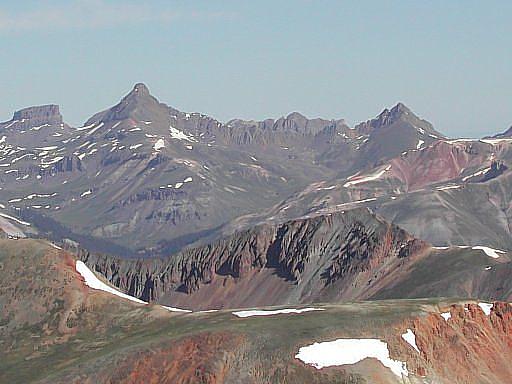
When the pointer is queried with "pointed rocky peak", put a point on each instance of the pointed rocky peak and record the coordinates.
(137, 105)
(400, 108)
(42, 114)
(141, 90)
(139, 96)
(390, 116)
(399, 116)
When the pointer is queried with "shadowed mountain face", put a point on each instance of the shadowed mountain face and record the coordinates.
(142, 178)
(333, 258)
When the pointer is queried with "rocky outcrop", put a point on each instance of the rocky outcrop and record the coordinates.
(469, 346)
(308, 260)
(39, 115)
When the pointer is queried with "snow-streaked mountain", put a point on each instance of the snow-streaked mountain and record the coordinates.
(143, 178)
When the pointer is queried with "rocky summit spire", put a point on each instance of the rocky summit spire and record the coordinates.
(137, 104)
(140, 90)
(390, 116)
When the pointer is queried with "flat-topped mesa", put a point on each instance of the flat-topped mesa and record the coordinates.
(38, 115)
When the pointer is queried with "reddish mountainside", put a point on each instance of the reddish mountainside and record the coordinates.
(55, 329)
(440, 162)
(326, 258)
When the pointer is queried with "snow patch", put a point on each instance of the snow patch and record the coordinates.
(180, 135)
(250, 313)
(446, 187)
(446, 315)
(160, 143)
(410, 338)
(350, 351)
(172, 309)
(486, 308)
(479, 173)
(365, 179)
(96, 128)
(15, 219)
(491, 252)
(92, 281)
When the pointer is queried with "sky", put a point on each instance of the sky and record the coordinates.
(449, 61)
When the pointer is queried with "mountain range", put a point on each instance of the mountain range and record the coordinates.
(155, 245)
(144, 179)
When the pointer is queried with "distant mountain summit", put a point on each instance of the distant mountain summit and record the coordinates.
(43, 114)
(138, 105)
(400, 116)
(393, 131)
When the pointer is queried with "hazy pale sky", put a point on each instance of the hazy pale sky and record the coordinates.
(449, 61)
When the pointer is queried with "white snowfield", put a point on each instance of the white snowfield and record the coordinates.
(160, 143)
(446, 315)
(446, 187)
(92, 281)
(15, 219)
(486, 307)
(96, 128)
(365, 179)
(172, 309)
(250, 313)
(350, 351)
(410, 338)
(420, 143)
(478, 173)
(180, 135)
(491, 252)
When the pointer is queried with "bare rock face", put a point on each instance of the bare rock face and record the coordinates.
(325, 257)
(469, 347)
(39, 115)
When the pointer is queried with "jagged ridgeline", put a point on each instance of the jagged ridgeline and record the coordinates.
(352, 255)
(144, 179)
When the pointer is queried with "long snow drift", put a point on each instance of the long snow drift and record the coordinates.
(361, 179)
(491, 252)
(349, 351)
(250, 313)
(92, 281)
